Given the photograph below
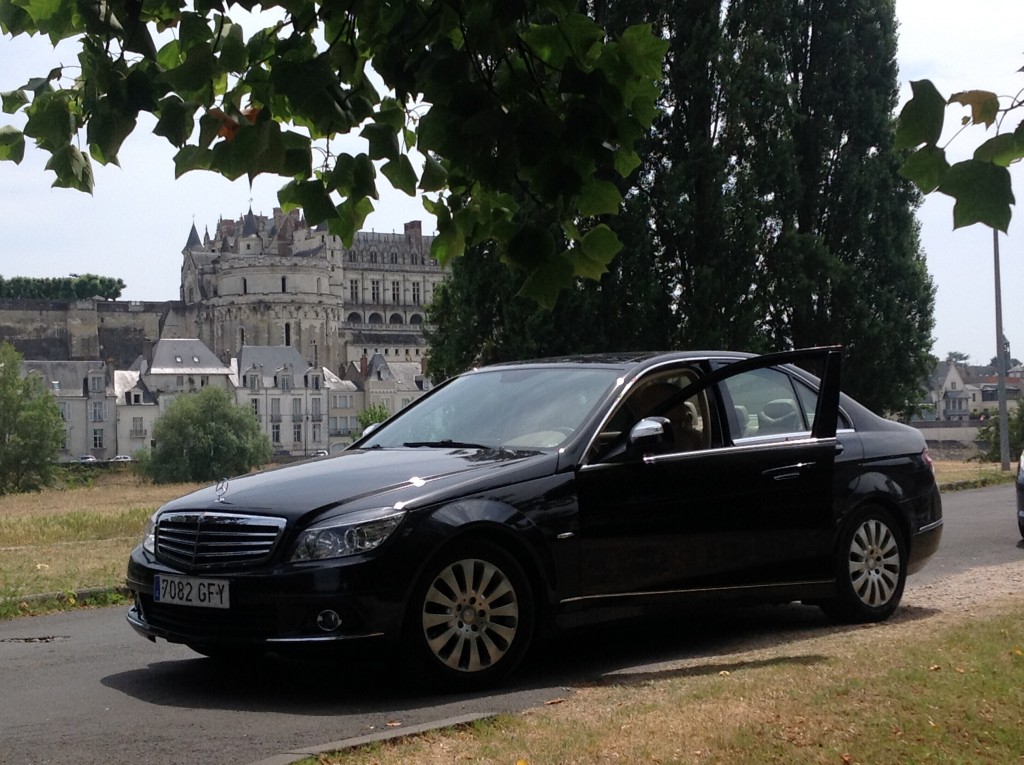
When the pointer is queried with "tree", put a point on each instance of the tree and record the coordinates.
(205, 437)
(767, 212)
(372, 414)
(31, 429)
(525, 97)
(957, 357)
(72, 287)
(989, 434)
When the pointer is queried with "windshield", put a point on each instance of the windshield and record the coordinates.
(527, 408)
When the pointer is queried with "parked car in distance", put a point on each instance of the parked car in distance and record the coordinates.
(519, 500)
(87, 458)
(1020, 495)
(121, 458)
(320, 453)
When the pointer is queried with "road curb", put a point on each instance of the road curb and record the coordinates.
(295, 755)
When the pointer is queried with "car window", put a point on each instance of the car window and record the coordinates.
(518, 408)
(765, 402)
(690, 420)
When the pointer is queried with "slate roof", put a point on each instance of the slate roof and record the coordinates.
(185, 356)
(272, 358)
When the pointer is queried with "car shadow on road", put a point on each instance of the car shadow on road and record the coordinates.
(367, 681)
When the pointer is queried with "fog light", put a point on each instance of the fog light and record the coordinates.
(328, 620)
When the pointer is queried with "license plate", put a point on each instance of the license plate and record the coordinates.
(190, 591)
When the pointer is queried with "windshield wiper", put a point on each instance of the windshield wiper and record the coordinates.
(445, 444)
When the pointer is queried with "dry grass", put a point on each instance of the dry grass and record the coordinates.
(943, 688)
(955, 473)
(67, 540)
(110, 492)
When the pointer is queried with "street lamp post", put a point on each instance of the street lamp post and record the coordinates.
(1004, 425)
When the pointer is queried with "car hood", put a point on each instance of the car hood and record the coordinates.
(355, 480)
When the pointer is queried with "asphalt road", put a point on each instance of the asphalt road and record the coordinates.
(82, 688)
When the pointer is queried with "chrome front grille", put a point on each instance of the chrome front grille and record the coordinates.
(204, 540)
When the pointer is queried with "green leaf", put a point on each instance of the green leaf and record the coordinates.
(434, 175)
(13, 100)
(401, 174)
(176, 121)
(599, 198)
(531, 248)
(1003, 149)
(599, 246)
(545, 283)
(107, 130)
(311, 197)
(926, 167)
(382, 139)
(982, 192)
(449, 243)
(12, 144)
(984, 105)
(920, 122)
(50, 121)
(72, 168)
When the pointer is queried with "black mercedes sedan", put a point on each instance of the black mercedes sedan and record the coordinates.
(518, 500)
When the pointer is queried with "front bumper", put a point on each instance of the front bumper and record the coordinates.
(276, 606)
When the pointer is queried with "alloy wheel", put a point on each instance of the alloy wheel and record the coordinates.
(875, 563)
(470, 615)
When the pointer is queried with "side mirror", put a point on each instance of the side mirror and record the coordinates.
(651, 435)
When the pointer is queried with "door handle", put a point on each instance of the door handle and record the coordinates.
(787, 472)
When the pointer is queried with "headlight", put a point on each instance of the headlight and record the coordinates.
(347, 536)
(149, 535)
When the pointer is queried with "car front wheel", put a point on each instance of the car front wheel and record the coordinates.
(471, 618)
(871, 569)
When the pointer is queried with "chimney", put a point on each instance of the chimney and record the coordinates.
(364, 366)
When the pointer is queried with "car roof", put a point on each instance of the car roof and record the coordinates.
(625, 360)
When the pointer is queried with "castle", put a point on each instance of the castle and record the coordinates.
(260, 281)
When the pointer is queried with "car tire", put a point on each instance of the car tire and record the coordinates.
(470, 619)
(870, 569)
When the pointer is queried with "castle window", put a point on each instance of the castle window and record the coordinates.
(373, 256)
(245, 286)
(396, 292)
(241, 336)
(415, 293)
(287, 334)
(353, 290)
(375, 290)
(319, 286)
(97, 438)
(355, 318)
(394, 257)
(95, 384)
(284, 284)
(99, 411)
(396, 318)
(255, 402)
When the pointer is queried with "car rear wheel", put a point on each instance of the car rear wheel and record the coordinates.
(470, 621)
(870, 569)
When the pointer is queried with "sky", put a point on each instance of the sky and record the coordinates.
(136, 222)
